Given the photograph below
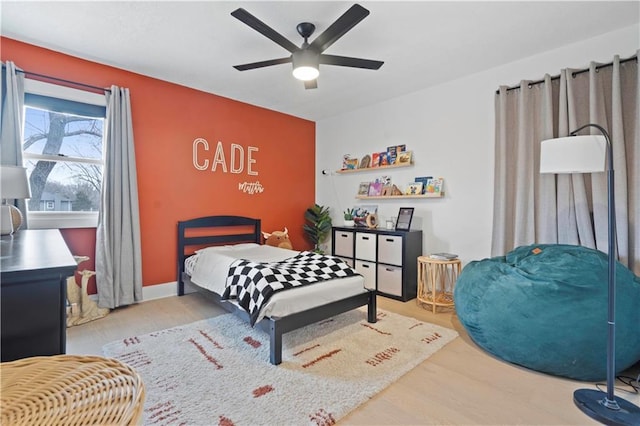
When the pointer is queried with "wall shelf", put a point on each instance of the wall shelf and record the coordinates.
(373, 169)
(397, 197)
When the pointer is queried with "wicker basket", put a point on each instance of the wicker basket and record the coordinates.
(70, 390)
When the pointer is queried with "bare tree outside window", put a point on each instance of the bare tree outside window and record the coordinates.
(63, 156)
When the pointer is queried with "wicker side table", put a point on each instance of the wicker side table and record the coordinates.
(70, 390)
(436, 279)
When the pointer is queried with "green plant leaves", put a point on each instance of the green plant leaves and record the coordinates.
(318, 225)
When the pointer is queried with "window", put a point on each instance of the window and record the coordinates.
(62, 151)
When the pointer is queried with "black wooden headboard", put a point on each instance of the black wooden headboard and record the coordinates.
(212, 231)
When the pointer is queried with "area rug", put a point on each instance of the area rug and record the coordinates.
(217, 371)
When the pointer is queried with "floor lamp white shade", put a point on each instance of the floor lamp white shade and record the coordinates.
(14, 185)
(590, 154)
(573, 154)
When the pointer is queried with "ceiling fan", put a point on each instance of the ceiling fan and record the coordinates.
(307, 58)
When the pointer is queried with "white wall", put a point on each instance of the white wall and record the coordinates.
(450, 128)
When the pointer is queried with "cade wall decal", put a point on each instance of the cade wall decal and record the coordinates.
(237, 163)
(202, 158)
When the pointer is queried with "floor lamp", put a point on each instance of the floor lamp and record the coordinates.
(590, 154)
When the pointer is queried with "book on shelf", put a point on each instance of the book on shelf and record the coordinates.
(443, 256)
(414, 188)
(375, 189)
(386, 180)
(363, 189)
(375, 159)
(394, 151)
(405, 157)
(425, 181)
(349, 163)
(383, 159)
(434, 186)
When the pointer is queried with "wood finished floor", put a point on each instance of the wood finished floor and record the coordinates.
(459, 385)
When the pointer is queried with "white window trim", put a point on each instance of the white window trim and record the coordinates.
(55, 91)
(62, 158)
(61, 220)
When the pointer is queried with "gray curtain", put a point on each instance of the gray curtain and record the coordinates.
(118, 252)
(11, 122)
(530, 207)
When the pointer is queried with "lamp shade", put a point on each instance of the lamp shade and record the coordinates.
(573, 154)
(14, 183)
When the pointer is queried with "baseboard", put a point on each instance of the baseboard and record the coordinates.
(159, 291)
(152, 292)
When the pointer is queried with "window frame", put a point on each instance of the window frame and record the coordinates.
(62, 219)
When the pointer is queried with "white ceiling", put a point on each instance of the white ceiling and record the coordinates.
(422, 44)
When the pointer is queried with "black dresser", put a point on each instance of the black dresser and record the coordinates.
(34, 268)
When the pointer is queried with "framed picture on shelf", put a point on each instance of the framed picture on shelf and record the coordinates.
(405, 215)
(363, 189)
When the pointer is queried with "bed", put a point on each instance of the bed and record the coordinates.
(224, 239)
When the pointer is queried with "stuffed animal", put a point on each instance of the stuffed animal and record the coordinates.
(278, 239)
(83, 308)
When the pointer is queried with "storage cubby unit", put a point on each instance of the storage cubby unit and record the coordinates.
(387, 259)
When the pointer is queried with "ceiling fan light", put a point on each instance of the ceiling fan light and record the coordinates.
(305, 73)
(305, 65)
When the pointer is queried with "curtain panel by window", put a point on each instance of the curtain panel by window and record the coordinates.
(530, 207)
(118, 247)
(11, 119)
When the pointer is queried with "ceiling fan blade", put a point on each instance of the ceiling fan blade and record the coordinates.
(311, 84)
(262, 64)
(348, 20)
(346, 61)
(263, 29)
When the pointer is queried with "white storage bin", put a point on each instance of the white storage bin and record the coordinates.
(390, 280)
(368, 271)
(343, 244)
(390, 249)
(366, 246)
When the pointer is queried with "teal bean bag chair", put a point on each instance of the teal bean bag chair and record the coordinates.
(544, 307)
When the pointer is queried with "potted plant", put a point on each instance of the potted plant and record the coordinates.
(318, 226)
(349, 215)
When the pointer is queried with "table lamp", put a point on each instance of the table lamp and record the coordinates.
(14, 184)
(590, 154)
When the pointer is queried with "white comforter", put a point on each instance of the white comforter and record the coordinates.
(209, 268)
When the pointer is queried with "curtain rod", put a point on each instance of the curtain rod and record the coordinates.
(573, 74)
(48, 77)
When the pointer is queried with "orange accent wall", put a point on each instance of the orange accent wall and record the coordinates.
(166, 119)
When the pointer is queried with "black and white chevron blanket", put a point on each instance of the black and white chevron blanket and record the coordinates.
(253, 283)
